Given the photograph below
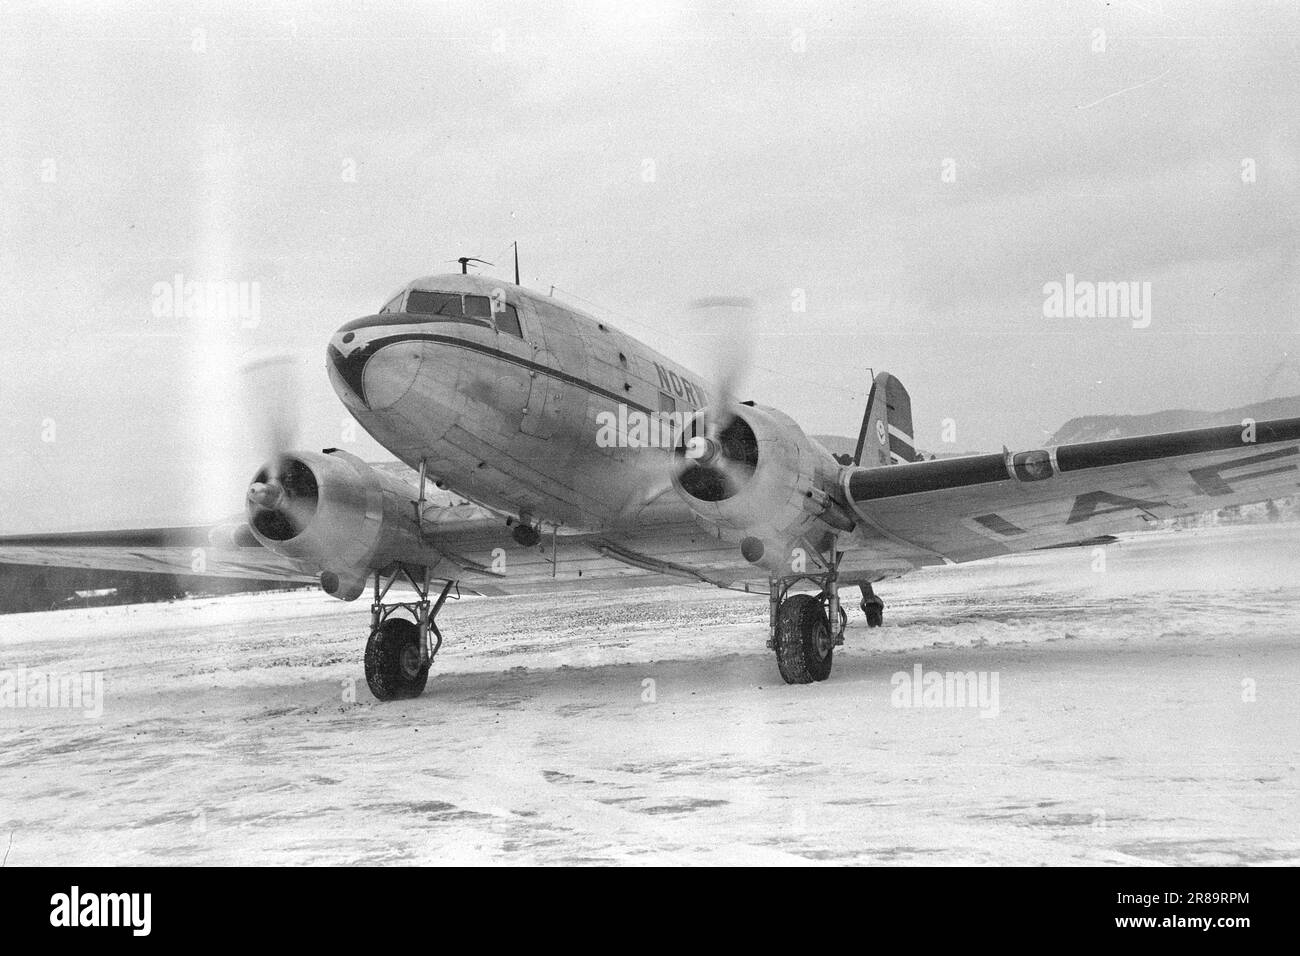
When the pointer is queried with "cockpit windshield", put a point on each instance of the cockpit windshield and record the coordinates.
(434, 303)
(456, 305)
(479, 306)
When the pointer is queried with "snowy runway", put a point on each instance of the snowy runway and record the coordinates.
(1147, 712)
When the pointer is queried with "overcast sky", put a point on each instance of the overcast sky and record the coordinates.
(915, 173)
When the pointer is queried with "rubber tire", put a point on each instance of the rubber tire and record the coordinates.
(801, 626)
(872, 607)
(387, 678)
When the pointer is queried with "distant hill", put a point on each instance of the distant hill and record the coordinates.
(1102, 427)
(837, 444)
(840, 445)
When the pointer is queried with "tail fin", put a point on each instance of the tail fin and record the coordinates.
(886, 436)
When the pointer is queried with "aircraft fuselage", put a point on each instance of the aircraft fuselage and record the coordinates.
(507, 396)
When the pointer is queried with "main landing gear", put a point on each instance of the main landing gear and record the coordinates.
(802, 633)
(399, 652)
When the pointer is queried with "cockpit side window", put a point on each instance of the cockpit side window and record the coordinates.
(394, 304)
(508, 321)
(434, 303)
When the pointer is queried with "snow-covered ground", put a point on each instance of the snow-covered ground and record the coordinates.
(1145, 712)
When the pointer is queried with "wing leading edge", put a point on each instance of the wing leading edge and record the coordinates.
(959, 509)
(469, 538)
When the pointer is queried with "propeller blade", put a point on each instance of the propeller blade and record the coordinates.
(727, 324)
(298, 513)
(270, 393)
(271, 386)
(724, 327)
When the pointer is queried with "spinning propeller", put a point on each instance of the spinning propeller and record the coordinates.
(717, 452)
(282, 496)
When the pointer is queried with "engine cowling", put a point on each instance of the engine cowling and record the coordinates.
(760, 477)
(336, 513)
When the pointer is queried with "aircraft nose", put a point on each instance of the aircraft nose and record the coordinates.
(371, 366)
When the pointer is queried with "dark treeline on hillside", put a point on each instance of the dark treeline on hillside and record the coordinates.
(31, 588)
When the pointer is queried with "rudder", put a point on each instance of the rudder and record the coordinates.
(886, 435)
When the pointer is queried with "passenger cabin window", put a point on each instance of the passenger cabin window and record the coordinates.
(508, 321)
(394, 304)
(434, 303)
(667, 403)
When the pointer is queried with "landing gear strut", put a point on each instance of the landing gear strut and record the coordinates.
(399, 652)
(801, 624)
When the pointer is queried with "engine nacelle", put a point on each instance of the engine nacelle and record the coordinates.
(763, 478)
(334, 512)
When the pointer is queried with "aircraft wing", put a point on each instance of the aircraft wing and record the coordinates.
(975, 507)
(475, 544)
(216, 550)
(913, 514)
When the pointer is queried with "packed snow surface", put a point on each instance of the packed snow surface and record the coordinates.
(1140, 705)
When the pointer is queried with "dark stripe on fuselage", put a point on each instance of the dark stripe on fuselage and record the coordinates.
(1123, 451)
(376, 344)
(411, 318)
(351, 367)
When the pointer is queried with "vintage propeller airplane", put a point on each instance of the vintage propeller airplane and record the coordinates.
(584, 457)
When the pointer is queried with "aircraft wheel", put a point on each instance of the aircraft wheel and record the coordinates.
(393, 668)
(804, 645)
(872, 607)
